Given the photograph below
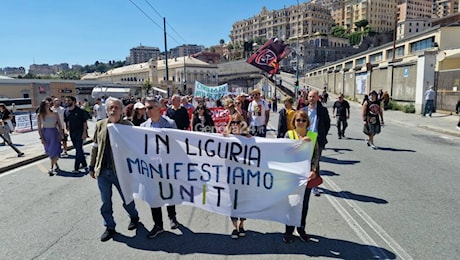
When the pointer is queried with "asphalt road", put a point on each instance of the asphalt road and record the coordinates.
(397, 202)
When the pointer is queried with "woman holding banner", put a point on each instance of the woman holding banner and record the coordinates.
(237, 126)
(202, 120)
(301, 122)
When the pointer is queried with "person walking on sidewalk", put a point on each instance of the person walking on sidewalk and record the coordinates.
(430, 94)
(102, 168)
(50, 131)
(60, 110)
(372, 113)
(75, 119)
(5, 117)
(156, 120)
(341, 111)
(457, 110)
(320, 123)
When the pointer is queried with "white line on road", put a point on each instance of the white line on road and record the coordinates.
(398, 250)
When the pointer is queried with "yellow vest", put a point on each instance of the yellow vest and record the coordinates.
(312, 135)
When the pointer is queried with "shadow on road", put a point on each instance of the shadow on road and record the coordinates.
(255, 243)
(394, 149)
(339, 150)
(337, 161)
(328, 173)
(352, 196)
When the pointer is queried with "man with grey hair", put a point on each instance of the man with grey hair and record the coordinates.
(156, 120)
(102, 168)
(178, 113)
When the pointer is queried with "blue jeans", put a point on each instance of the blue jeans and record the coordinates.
(77, 142)
(105, 180)
(428, 107)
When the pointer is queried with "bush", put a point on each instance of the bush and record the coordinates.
(393, 105)
(408, 108)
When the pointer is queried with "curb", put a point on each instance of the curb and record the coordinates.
(34, 159)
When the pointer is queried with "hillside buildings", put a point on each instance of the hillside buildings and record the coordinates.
(142, 54)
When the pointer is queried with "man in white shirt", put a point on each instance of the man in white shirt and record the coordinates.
(259, 113)
(60, 110)
(99, 110)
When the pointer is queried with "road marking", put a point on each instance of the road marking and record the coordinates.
(42, 168)
(397, 249)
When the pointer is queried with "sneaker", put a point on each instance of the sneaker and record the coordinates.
(241, 232)
(367, 142)
(64, 154)
(302, 235)
(373, 147)
(133, 223)
(340, 137)
(51, 172)
(173, 222)
(155, 232)
(108, 234)
(458, 127)
(315, 191)
(287, 238)
(234, 234)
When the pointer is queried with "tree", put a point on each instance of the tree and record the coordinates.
(361, 23)
(339, 31)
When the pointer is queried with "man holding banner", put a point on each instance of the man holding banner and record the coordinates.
(102, 168)
(156, 120)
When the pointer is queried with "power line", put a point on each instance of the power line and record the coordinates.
(160, 27)
(172, 28)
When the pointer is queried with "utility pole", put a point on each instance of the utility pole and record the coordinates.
(296, 87)
(166, 56)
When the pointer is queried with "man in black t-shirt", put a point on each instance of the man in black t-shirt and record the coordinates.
(77, 128)
(178, 113)
(341, 111)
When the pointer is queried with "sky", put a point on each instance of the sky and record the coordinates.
(84, 31)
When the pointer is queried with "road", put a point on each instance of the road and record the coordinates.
(397, 202)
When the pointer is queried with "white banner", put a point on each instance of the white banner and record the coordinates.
(255, 178)
(215, 93)
(23, 123)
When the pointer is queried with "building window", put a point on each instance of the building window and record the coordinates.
(421, 45)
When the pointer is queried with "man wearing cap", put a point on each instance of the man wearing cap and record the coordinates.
(341, 111)
(138, 116)
(259, 113)
(430, 94)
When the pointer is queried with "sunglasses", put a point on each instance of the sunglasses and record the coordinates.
(150, 107)
(301, 120)
(235, 122)
(200, 108)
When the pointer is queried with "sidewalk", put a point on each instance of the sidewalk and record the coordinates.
(30, 145)
(445, 123)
